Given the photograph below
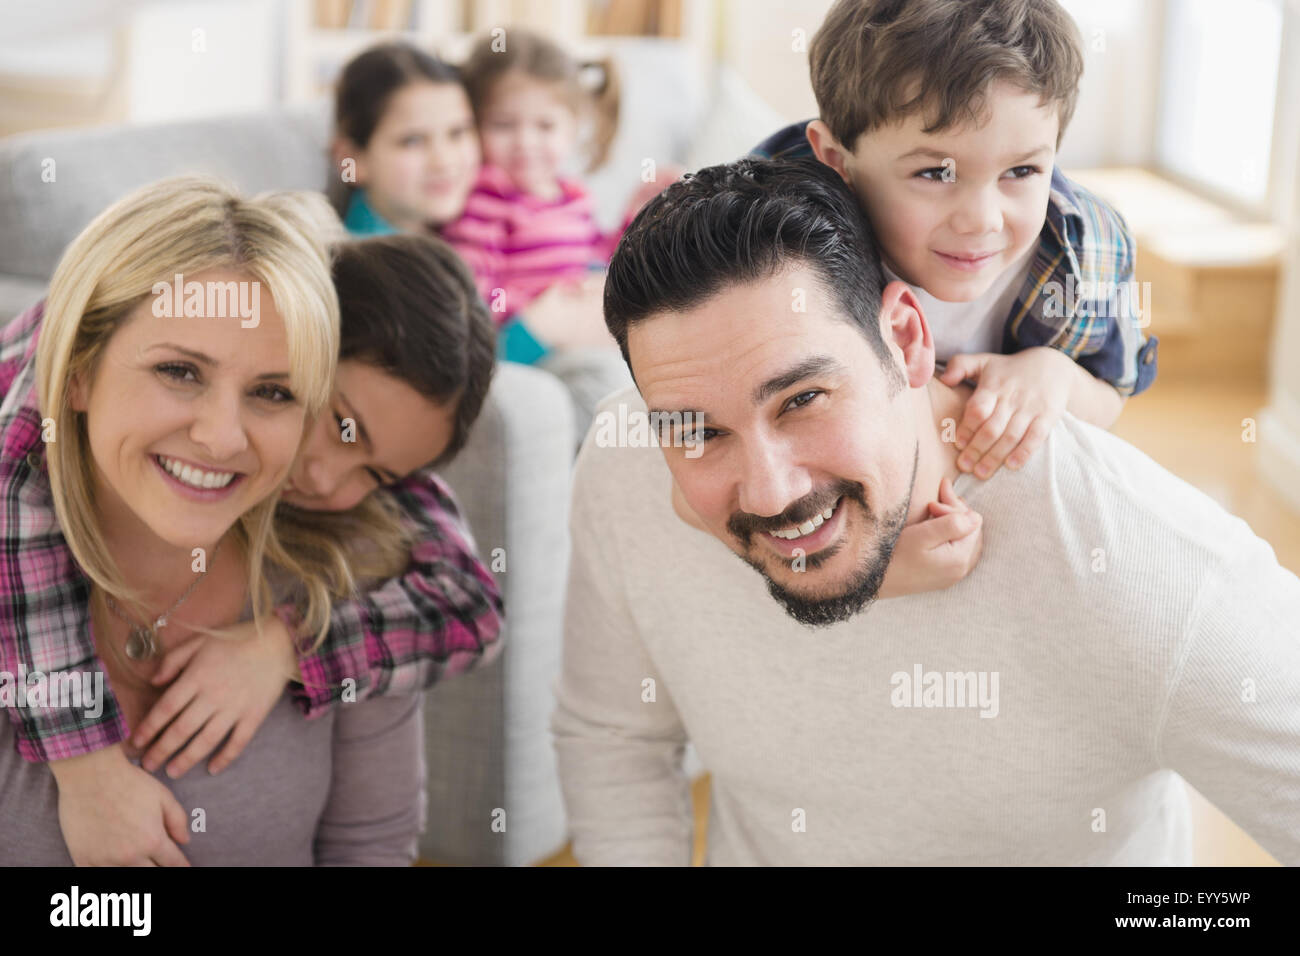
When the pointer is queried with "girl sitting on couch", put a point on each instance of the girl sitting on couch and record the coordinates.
(408, 149)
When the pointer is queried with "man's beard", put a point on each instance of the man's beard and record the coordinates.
(865, 583)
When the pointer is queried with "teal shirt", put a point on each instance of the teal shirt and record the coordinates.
(515, 343)
(362, 220)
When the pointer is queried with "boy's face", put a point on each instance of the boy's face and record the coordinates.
(952, 210)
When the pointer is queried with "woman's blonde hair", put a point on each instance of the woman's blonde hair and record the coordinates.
(189, 225)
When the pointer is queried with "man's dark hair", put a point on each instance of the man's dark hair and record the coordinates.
(741, 222)
(408, 305)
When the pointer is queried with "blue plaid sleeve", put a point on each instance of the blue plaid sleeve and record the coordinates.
(1081, 296)
(789, 142)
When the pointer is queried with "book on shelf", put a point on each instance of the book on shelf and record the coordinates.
(364, 14)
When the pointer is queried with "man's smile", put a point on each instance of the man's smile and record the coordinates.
(811, 536)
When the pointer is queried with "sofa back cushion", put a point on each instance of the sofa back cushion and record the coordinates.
(53, 182)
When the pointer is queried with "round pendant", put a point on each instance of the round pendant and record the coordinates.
(140, 644)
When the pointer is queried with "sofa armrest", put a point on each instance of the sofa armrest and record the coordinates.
(18, 294)
(487, 734)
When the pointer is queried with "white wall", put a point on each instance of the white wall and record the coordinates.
(758, 39)
(192, 58)
(149, 60)
(1113, 122)
(1279, 424)
(1115, 119)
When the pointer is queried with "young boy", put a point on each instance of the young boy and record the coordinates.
(944, 117)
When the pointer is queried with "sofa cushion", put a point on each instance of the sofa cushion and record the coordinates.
(89, 169)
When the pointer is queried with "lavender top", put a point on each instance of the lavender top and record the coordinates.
(346, 789)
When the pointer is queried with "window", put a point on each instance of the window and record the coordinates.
(1218, 94)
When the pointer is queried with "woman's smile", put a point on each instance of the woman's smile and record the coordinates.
(194, 482)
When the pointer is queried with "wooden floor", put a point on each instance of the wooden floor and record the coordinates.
(1194, 429)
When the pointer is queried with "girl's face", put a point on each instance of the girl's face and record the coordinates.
(191, 420)
(528, 131)
(422, 158)
(377, 430)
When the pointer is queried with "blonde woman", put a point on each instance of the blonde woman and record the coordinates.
(163, 434)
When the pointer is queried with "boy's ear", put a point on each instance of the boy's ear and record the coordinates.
(903, 326)
(828, 149)
(349, 162)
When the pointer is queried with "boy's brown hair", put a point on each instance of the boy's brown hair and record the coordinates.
(875, 61)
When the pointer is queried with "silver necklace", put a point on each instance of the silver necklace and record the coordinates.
(142, 642)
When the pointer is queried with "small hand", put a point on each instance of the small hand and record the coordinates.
(938, 552)
(115, 814)
(1017, 402)
(570, 314)
(226, 685)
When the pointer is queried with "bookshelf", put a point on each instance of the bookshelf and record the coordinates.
(322, 35)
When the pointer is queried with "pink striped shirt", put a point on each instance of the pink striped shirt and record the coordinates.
(518, 245)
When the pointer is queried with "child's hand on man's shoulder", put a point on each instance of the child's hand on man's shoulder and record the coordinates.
(938, 551)
(1018, 400)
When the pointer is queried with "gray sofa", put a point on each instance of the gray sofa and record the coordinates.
(488, 741)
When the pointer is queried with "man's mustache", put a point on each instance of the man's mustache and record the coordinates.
(744, 525)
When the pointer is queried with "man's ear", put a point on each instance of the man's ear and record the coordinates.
(903, 326)
(828, 149)
(349, 161)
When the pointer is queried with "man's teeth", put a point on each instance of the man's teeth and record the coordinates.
(808, 527)
(196, 477)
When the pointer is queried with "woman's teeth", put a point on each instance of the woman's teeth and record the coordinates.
(808, 527)
(196, 477)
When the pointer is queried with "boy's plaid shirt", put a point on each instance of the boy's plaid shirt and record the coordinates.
(1079, 297)
(441, 617)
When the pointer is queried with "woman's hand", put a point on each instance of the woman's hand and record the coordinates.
(226, 685)
(938, 552)
(114, 814)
